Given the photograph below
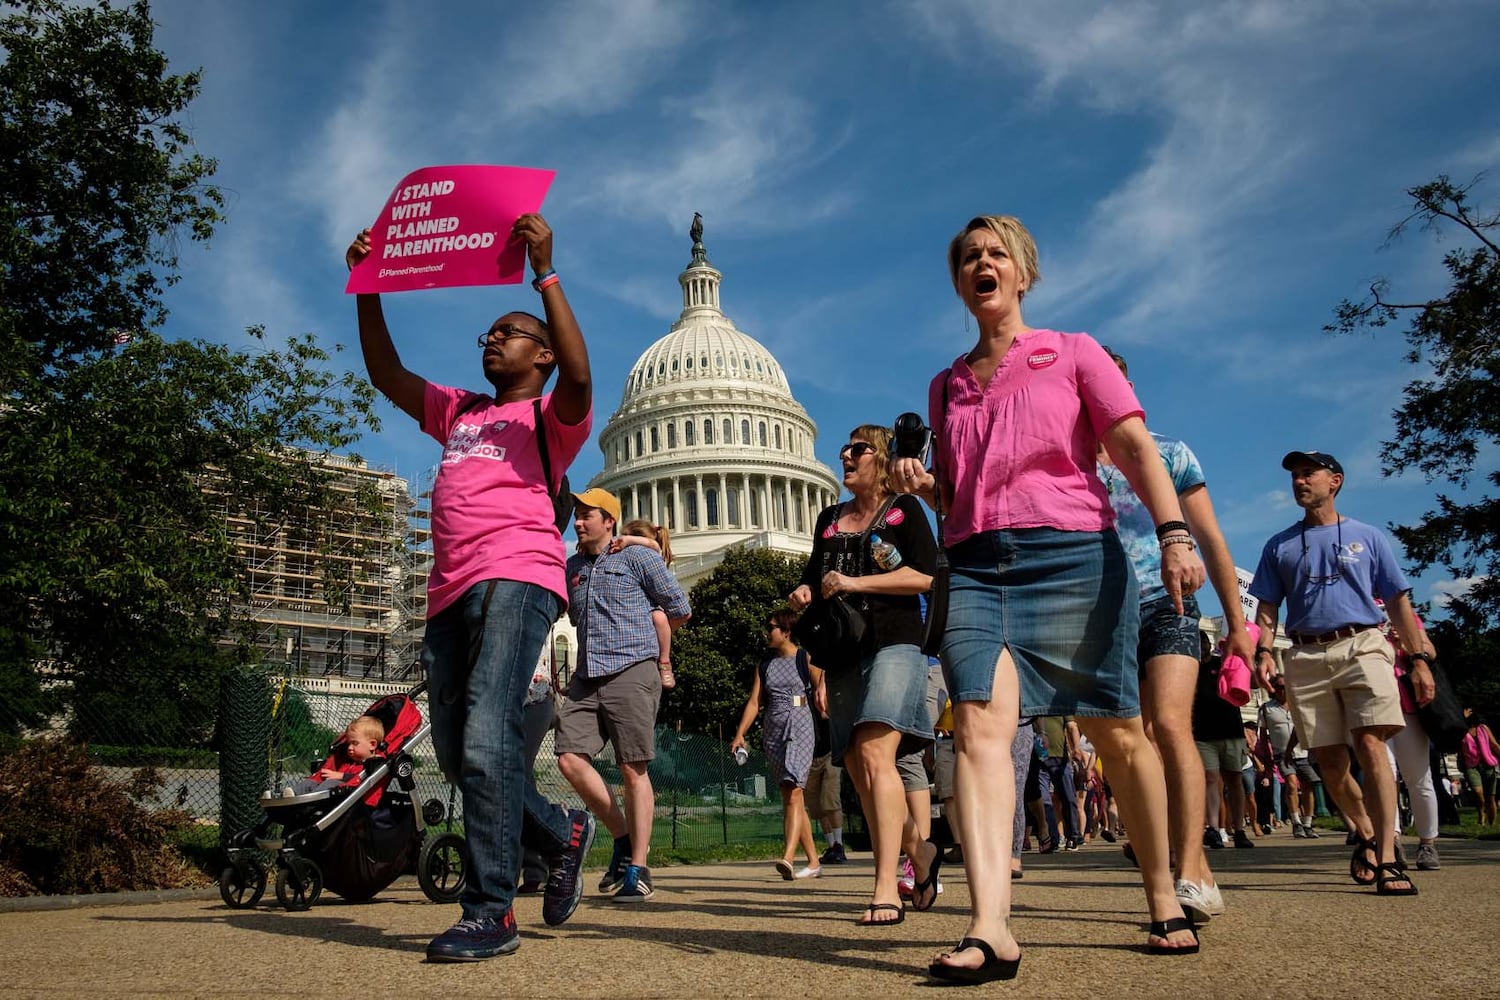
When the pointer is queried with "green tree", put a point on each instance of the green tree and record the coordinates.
(97, 183)
(124, 465)
(716, 653)
(1450, 416)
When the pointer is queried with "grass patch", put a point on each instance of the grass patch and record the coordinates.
(1467, 828)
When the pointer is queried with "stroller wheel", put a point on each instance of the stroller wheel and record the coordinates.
(433, 812)
(442, 867)
(299, 884)
(242, 883)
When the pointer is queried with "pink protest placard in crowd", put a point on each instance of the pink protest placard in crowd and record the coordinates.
(445, 227)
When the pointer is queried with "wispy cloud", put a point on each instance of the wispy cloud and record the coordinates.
(1442, 592)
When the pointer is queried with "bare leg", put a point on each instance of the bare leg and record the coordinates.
(871, 763)
(983, 733)
(1135, 771)
(918, 826)
(1167, 706)
(596, 795)
(640, 808)
(789, 824)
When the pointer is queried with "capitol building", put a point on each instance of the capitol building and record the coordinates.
(708, 441)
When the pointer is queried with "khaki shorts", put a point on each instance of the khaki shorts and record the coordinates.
(822, 794)
(913, 771)
(1340, 686)
(620, 708)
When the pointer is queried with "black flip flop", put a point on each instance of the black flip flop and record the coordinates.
(1161, 928)
(992, 970)
(920, 889)
(897, 908)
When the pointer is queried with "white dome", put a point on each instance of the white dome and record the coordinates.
(709, 440)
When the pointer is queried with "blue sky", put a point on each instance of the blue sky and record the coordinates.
(1205, 182)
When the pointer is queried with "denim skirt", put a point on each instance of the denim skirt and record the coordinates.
(1066, 606)
(890, 688)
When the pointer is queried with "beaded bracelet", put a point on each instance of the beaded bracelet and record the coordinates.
(1178, 540)
(1167, 527)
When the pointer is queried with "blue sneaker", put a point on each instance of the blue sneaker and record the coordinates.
(614, 875)
(636, 888)
(475, 940)
(564, 884)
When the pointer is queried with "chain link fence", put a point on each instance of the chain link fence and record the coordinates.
(267, 729)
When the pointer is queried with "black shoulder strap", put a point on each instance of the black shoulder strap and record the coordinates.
(803, 672)
(541, 444)
(864, 536)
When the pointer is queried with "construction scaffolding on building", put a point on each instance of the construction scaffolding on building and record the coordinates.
(337, 591)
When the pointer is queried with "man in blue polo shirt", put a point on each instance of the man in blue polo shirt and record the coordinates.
(1340, 678)
(616, 690)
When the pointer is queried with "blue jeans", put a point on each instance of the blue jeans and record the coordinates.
(1058, 772)
(479, 661)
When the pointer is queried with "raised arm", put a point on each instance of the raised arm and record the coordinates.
(573, 396)
(387, 374)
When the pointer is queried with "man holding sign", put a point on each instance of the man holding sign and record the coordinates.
(496, 585)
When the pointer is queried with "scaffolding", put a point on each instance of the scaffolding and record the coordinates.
(338, 590)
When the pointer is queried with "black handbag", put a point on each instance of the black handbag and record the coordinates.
(1443, 716)
(834, 633)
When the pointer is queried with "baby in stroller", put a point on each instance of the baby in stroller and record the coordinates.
(361, 741)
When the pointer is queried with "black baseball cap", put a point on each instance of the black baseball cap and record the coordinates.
(1321, 458)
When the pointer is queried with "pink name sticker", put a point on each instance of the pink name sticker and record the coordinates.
(1041, 359)
(448, 227)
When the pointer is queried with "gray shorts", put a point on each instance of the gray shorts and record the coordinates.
(1225, 756)
(822, 794)
(913, 771)
(943, 769)
(620, 709)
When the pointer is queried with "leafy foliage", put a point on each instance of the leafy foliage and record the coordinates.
(97, 181)
(1449, 416)
(118, 570)
(65, 828)
(716, 653)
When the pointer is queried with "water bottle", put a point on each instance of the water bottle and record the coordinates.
(886, 555)
(741, 756)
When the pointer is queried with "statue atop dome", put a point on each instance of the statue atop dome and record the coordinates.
(700, 253)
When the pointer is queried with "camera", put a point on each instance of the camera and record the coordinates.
(911, 438)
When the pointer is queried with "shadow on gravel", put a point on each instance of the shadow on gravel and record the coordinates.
(322, 926)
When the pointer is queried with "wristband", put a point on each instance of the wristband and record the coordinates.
(1262, 651)
(544, 280)
(1167, 527)
(1426, 658)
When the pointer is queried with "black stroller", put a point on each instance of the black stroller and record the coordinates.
(354, 839)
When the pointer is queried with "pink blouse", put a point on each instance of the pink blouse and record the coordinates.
(1021, 451)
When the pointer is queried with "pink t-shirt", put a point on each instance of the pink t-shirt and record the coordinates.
(1021, 451)
(1403, 667)
(491, 515)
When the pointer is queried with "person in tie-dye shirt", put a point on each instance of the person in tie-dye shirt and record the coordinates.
(1168, 653)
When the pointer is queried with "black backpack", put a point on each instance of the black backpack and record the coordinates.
(562, 499)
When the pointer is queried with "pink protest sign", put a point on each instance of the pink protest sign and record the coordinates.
(444, 227)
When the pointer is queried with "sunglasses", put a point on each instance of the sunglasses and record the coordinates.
(857, 450)
(505, 331)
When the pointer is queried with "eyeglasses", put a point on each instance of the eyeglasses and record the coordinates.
(857, 450)
(1338, 563)
(504, 332)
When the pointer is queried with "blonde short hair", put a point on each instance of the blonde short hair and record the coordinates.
(1013, 235)
(367, 727)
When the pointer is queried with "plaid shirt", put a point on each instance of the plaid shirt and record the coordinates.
(610, 599)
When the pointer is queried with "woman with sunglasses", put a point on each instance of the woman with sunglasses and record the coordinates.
(877, 709)
(1043, 615)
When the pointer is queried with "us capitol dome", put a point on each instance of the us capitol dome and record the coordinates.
(708, 440)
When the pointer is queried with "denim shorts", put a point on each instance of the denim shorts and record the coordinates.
(1166, 633)
(890, 688)
(1063, 602)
